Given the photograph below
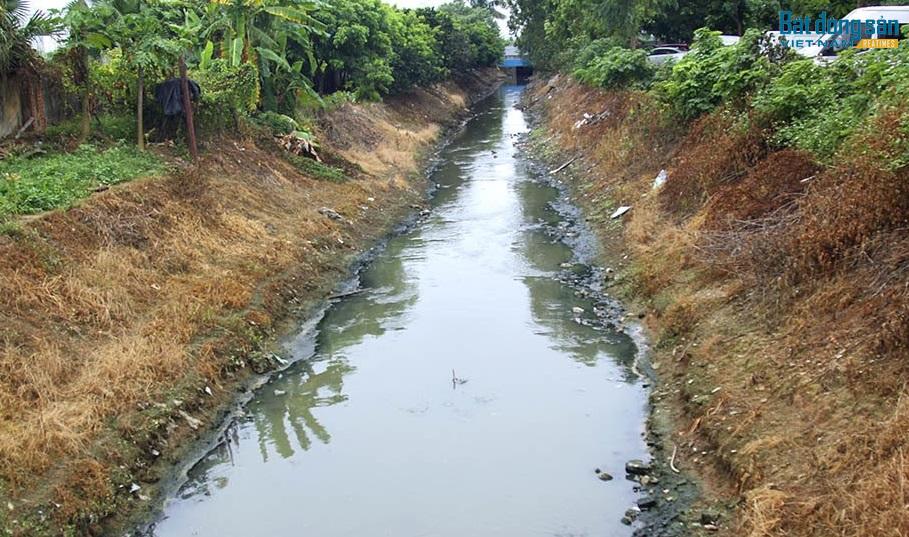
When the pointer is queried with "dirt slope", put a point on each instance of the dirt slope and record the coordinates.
(127, 322)
(778, 303)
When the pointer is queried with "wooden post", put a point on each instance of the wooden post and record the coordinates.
(188, 110)
(140, 126)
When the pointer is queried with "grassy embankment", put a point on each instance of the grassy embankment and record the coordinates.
(778, 300)
(128, 320)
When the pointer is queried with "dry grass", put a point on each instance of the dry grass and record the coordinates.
(111, 310)
(790, 296)
(716, 152)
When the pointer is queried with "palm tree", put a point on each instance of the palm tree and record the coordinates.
(17, 55)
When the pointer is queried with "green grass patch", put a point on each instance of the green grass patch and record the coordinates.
(104, 127)
(317, 170)
(42, 183)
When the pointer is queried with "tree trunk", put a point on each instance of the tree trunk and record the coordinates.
(140, 125)
(36, 107)
(40, 107)
(188, 110)
(86, 115)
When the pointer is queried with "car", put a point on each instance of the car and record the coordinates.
(674, 52)
(666, 53)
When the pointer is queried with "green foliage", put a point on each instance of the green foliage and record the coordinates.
(468, 37)
(712, 74)
(17, 32)
(816, 108)
(114, 127)
(234, 89)
(52, 181)
(355, 54)
(279, 56)
(371, 49)
(415, 61)
(276, 123)
(317, 170)
(593, 50)
(617, 68)
(800, 86)
(274, 36)
(823, 131)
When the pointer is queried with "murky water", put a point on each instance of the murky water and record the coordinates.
(370, 436)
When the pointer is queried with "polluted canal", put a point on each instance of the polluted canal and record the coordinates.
(474, 386)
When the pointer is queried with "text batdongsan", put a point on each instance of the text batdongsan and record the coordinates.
(843, 32)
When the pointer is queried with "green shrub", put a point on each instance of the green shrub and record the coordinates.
(415, 61)
(593, 50)
(276, 123)
(616, 68)
(104, 127)
(318, 170)
(801, 87)
(227, 92)
(712, 74)
(823, 131)
(816, 108)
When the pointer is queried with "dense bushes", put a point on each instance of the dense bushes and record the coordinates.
(228, 92)
(795, 101)
(415, 61)
(276, 55)
(617, 67)
(713, 73)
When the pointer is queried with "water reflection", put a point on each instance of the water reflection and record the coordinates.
(319, 381)
(382, 307)
(310, 386)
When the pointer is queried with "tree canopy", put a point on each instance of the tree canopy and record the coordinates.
(255, 55)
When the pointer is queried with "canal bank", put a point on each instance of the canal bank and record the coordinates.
(474, 372)
(150, 305)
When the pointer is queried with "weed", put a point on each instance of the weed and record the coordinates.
(318, 170)
(31, 185)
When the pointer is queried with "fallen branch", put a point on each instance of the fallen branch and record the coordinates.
(563, 166)
(348, 293)
(25, 127)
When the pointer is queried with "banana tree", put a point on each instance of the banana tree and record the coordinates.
(88, 36)
(261, 32)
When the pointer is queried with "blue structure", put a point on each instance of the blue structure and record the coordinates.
(516, 64)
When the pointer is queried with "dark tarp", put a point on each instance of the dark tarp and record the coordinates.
(170, 97)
